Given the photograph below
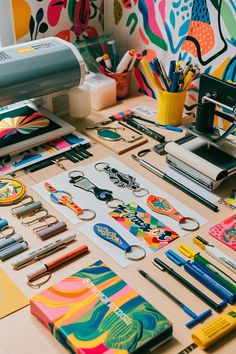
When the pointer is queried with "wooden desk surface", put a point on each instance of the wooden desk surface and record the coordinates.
(22, 333)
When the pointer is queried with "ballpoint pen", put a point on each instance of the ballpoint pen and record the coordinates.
(152, 133)
(168, 127)
(216, 253)
(175, 183)
(196, 318)
(164, 267)
(212, 270)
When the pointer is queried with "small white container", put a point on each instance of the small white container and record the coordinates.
(79, 101)
(102, 90)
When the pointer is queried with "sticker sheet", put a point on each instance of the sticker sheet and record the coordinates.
(225, 232)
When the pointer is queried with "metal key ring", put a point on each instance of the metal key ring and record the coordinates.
(120, 202)
(60, 192)
(144, 192)
(80, 174)
(133, 258)
(38, 285)
(105, 164)
(6, 235)
(90, 217)
(187, 218)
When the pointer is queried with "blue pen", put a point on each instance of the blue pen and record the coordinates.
(115, 54)
(171, 69)
(175, 82)
(202, 276)
(169, 127)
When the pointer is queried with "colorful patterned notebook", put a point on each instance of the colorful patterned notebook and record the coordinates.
(225, 232)
(95, 312)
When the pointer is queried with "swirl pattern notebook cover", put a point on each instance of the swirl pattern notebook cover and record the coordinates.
(95, 312)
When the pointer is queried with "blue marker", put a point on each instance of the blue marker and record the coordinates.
(175, 82)
(172, 69)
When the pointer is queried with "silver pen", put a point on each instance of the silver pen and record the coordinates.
(43, 251)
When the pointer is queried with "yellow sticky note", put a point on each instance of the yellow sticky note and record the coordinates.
(11, 297)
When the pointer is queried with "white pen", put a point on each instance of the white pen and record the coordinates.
(46, 249)
(125, 61)
(215, 253)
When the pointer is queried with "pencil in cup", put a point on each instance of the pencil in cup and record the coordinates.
(170, 107)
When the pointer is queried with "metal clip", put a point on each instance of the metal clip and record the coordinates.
(39, 284)
(6, 235)
(46, 223)
(31, 200)
(38, 217)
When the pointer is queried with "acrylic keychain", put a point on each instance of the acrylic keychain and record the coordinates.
(162, 206)
(121, 179)
(11, 191)
(65, 198)
(78, 180)
(107, 233)
(4, 228)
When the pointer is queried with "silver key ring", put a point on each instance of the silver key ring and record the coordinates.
(184, 220)
(83, 218)
(120, 202)
(79, 174)
(143, 191)
(143, 255)
(104, 164)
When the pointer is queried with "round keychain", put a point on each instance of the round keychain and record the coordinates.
(121, 179)
(107, 233)
(78, 180)
(65, 198)
(11, 191)
(162, 206)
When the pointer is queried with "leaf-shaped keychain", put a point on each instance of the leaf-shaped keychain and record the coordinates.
(162, 206)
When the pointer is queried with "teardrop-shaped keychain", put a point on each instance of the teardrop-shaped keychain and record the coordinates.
(107, 233)
(162, 206)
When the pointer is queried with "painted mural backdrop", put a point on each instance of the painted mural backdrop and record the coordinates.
(67, 19)
(203, 31)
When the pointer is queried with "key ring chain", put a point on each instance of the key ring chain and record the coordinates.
(64, 198)
(121, 179)
(78, 180)
(107, 233)
(33, 285)
(162, 206)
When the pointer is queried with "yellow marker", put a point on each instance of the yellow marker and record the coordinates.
(187, 80)
(178, 64)
(188, 252)
(149, 73)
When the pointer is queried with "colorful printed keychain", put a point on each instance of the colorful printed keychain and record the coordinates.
(162, 206)
(121, 179)
(11, 191)
(107, 233)
(144, 226)
(78, 180)
(65, 198)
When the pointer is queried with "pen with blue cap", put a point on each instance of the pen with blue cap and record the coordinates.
(210, 268)
(202, 276)
(164, 267)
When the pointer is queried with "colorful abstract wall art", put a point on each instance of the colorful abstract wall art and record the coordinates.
(202, 31)
(67, 19)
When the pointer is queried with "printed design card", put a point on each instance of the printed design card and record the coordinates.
(225, 232)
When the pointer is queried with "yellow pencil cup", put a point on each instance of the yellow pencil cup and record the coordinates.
(170, 107)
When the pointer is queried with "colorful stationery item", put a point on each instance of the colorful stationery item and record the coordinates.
(195, 290)
(200, 273)
(144, 226)
(65, 198)
(127, 322)
(45, 269)
(12, 299)
(216, 253)
(195, 318)
(11, 191)
(163, 206)
(216, 329)
(27, 206)
(121, 179)
(217, 274)
(78, 180)
(225, 232)
(17, 246)
(6, 230)
(43, 251)
(229, 200)
(107, 233)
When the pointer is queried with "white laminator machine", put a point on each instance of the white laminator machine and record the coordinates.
(41, 71)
